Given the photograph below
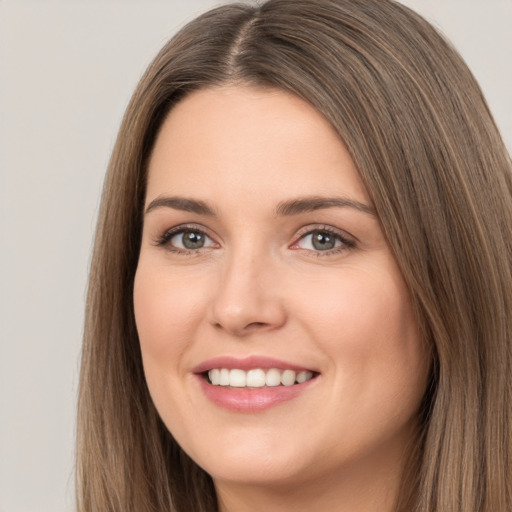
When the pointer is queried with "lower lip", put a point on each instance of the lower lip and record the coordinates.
(252, 400)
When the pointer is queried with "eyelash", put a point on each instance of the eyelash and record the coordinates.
(168, 235)
(346, 243)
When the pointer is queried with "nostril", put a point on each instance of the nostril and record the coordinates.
(256, 325)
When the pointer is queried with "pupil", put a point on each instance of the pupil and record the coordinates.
(193, 240)
(323, 241)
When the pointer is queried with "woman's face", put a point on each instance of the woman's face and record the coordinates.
(264, 265)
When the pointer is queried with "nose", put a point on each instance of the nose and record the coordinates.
(248, 297)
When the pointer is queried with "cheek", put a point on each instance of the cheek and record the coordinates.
(367, 327)
(363, 308)
(166, 311)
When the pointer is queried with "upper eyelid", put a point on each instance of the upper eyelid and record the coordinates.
(188, 227)
(169, 233)
(324, 227)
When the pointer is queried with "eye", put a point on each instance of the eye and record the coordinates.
(189, 240)
(186, 239)
(323, 240)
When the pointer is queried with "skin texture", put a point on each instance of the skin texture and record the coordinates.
(259, 287)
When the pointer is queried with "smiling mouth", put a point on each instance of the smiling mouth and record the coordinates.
(257, 378)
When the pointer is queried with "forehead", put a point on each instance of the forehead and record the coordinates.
(231, 142)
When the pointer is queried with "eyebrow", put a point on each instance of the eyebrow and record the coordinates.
(310, 204)
(183, 204)
(283, 209)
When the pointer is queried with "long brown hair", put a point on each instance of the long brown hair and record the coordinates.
(417, 126)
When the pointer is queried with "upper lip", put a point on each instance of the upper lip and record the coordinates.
(248, 363)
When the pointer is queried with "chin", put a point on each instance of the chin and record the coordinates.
(252, 462)
(263, 471)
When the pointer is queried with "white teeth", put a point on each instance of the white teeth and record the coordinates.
(224, 377)
(257, 378)
(273, 377)
(288, 378)
(304, 376)
(237, 378)
(214, 376)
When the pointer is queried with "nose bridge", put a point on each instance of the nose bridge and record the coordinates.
(247, 296)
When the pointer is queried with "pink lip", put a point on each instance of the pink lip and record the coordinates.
(249, 400)
(247, 363)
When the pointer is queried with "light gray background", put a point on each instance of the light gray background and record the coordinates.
(67, 69)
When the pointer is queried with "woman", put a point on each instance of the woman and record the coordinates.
(301, 287)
